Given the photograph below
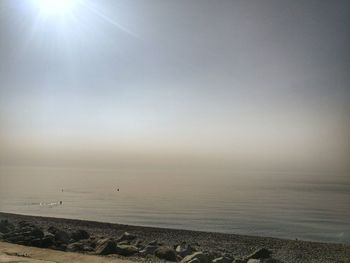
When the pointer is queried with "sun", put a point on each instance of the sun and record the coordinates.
(55, 7)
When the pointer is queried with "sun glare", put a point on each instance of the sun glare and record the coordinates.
(55, 7)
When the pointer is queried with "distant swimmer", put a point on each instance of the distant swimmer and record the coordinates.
(60, 202)
(118, 190)
(62, 190)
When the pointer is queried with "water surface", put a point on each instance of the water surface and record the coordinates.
(285, 205)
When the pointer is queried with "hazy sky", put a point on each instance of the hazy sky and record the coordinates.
(246, 83)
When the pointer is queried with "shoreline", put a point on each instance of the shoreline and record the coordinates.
(238, 246)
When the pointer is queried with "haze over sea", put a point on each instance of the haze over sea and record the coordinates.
(284, 205)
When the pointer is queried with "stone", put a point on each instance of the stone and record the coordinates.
(6, 226)
(222, 260)
(36, 232)
(79, 246)
(184, 250)
(52, 230)
(126, 237)
(62, 237)
(126, 250)
(106, 247)
(166, 253)
(195, 260)
(254, 261)
(48, 241)
(79, 235)
(153, 243)
(148, 250)
(200, 256)
(272, 260)
(260, 253)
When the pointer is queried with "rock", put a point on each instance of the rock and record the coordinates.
(260, 253)
(166, 253)
(37, 242)
(200, 256)
(272, 260)
(126, 237)
(79, 246)
(195, 260)
(36, 232)
(105, 247)
(148, 250)
(254, 261)
(62, 237)
(52, 230)
(184, 250)
(222, 260)
(239, 260)
(23, 224)
(48, 241)
(126, 250)
(138, 243)
(79, 235)
(153, 243)
(6, 226)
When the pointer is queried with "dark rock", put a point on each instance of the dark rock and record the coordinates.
(124, 242)
(166, 253)
(260, 253)
(105, 247)
(48, 241)
(6, 226)
(80, 234)
(153, 243)
(23, 224)
(272, 260)
(62, 237)
(52, 230)
(239, 260)
(126, 250)
(148, 250)
(199, 256)
(37, 242)
(36, 232)
(222, 260)
(126, 236)
(139, 244)
(184, 249)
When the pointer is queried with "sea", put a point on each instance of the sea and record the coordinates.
(289, 205)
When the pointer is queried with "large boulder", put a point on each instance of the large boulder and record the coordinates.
(79, 235)
(36, 232)
(184, 250)
(126, 237)
(197, 256)
(126, 250)
(6, 226)
(79, 246)
(148, 250)
(53, 230)
(261, 253)
(166, 253)
(62, 237)
(222, 260)
(106, 246)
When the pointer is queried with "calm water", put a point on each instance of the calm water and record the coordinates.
(304, 206)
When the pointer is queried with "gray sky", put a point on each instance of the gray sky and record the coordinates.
(242, 83)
